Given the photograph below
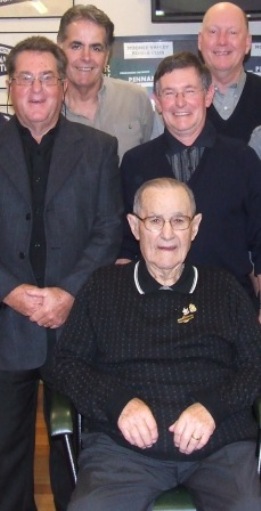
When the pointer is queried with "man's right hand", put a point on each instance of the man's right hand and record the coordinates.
(137, 424)
(21, 301)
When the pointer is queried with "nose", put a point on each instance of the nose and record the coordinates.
(222, 38)
(37, 85)
(167, 231)
(86, 51)
(180, 98)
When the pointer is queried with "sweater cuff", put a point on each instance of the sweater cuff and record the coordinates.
(212, 403)
(116, 403)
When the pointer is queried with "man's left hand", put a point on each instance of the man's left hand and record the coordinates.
(193, 429)
(55, 309)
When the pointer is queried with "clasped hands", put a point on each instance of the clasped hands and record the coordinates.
(48, 307)
(191, 431)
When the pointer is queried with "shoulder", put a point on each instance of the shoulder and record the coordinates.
(218, 282)
(123, 87)
(253, 79)
(79, 130)
(233, 147)
(149, 148)
(111, 277)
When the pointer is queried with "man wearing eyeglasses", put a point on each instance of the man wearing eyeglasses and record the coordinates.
(60, 218)
(162, 358)
(224, 174)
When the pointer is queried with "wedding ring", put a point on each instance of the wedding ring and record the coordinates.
(196, 438)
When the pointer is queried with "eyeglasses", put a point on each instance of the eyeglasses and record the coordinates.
(156, 223)
(189, 93)
(27, 79)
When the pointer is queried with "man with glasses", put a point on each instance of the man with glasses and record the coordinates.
(162, 358)
(224, 174)
(60, 219)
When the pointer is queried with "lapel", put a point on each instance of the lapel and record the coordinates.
(66, 152)
(12, 159)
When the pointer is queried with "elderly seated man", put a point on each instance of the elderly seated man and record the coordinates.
(163, 360)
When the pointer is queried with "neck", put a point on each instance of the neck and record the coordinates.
(224, 80)
(166, 277)
(38, 130)
(80, 94)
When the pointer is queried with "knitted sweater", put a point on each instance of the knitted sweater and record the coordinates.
(119, 344)
(247, 114)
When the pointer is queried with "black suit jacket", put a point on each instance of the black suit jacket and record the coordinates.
(82, 219)
(227, 189)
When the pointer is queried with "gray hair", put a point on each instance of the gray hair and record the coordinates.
(162, 183)
(90, 13)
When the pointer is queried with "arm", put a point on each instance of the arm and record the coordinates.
(238, 392)
(106, 228)
(130, 247)
(253, 211)
(255, 140)
(147, 116)
(76, 373)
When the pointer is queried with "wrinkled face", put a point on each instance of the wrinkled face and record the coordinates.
(37, 105)
(224, 40)
(183, 102)
(167, 249)
(87, 53)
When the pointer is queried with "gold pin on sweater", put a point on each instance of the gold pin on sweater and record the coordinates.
(188, 313)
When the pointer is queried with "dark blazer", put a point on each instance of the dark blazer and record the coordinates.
(82, 219)
(227, 189)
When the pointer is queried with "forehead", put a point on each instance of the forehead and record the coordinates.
(165, 200)
(225, 16)
(84, 30)
(35, 60)
(177, 77)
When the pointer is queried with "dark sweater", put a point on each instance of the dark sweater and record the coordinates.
(119, 344)
(227, 189)
(247, 114)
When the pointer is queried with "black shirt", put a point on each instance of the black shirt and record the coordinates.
(38, 159)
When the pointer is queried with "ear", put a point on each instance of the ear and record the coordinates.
(157, 102)
(199, 41)
(134, 225)
(248, 44)
(65, 85)
(195, 225)
(209, 95)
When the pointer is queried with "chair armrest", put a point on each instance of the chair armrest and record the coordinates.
(61, 415)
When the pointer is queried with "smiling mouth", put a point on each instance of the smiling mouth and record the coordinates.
(222, 53)
(84, 69)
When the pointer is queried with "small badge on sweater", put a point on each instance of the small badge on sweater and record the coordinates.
(187, 313)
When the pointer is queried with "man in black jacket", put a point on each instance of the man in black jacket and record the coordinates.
(60, 219)
(224, 174)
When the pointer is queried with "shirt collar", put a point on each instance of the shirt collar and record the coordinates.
(239, 85)
(206, 138)
(145, 283)
(46, 139)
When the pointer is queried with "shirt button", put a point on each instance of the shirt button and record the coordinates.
(28, 216)
(37, 245)
(21, 255)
